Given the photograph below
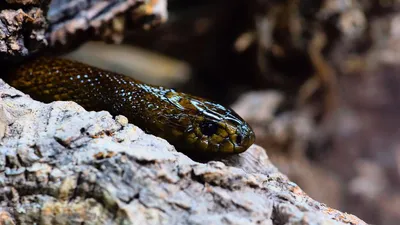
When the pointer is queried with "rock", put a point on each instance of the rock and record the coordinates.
(74, 22)
(28, 26)
(287, 135)
(22, 30)
(60, 164)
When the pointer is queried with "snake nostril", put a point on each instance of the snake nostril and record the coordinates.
(208, 128)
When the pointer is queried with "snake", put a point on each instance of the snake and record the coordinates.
(190, 123)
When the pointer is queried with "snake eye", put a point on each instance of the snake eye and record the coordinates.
(208, 128)
(239, 138)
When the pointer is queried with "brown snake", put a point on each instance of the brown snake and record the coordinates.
(189, 123)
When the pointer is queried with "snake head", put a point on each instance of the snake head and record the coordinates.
(211, 127)
(229, 134)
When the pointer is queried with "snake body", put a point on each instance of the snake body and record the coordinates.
(189, 123)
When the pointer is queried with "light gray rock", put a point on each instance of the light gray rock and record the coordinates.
(60, 164)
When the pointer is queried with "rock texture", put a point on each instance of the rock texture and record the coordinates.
(28, 26)
(74, 22)
(60, 164)
(22, 28)
(287, 135)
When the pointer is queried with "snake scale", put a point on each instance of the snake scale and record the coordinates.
(188, 122)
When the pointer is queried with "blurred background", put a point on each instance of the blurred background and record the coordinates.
(317, 80)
